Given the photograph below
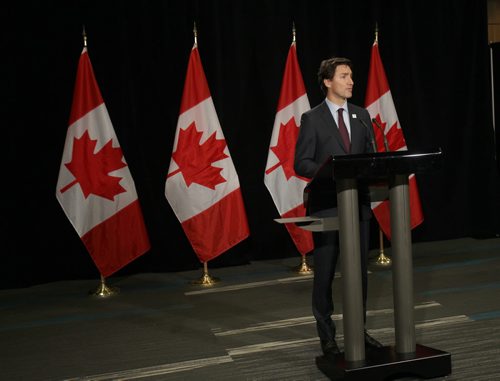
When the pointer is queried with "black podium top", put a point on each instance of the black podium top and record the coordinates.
(369, 169)
(383, 164)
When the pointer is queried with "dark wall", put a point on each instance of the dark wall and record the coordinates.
(495, 64)
(435, 55)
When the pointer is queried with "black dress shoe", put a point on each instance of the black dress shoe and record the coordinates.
(370, 342)
(329, 347)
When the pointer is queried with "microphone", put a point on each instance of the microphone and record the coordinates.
(370, 131)
(386, 145)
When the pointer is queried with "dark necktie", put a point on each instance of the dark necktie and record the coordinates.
(343, 131)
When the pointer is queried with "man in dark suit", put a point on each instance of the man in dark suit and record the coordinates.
(334, 127)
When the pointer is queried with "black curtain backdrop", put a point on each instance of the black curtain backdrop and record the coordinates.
(436, 58)
(495, 63)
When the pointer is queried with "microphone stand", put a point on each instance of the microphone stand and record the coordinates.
(372, 138)
(386, 144)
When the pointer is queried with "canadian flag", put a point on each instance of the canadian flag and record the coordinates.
(285, 186)
(380, 105)
(95, 187)
(202, 185)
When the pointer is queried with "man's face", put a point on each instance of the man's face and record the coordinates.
(340, 86)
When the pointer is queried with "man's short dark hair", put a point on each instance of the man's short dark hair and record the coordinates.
(327, 69)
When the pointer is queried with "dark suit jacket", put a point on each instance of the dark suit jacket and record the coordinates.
(319, 138)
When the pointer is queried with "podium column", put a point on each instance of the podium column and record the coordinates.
(404, 323)
(352, 294)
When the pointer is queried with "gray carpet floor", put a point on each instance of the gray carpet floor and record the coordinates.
(254, 324)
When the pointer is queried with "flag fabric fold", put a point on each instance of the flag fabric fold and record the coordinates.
(284, 185)
(202, 185)
(380, 105)
(95, 187)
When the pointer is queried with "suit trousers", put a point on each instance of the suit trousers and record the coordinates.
(326, 253)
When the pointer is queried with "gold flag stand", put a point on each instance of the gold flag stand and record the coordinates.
(103, 290)
(303, 268)
(206, 279)
(382, 260)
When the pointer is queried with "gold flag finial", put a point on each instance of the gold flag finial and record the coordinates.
(294, 32)
(376, 33)
(195, 33)
(84, 34)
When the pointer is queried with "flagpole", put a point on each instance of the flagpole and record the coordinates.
(381, 260)
(303, 268)
(195, 34)
(84, 35)
(103, 290)
(206, 279)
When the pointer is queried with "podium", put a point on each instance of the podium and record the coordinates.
(406, 357)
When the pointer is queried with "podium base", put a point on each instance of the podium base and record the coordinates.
(383, 363)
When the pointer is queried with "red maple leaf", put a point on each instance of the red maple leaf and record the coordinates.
(285, 149)
(395, 137)
(195, 159)
(92, 170)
